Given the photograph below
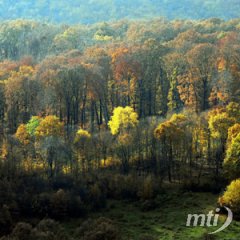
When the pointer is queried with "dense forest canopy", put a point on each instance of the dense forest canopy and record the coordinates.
(97, 83)
(155, 66)
(81, 11)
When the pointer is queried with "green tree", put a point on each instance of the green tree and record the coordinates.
(32, 125)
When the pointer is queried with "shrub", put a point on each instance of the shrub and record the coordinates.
(37, 235)
(97, 197)
(146, 191)
(8, 238)
(76, 207)
(41, 205)
(22, 231)
(231, 197)
(115, 186)
(46, 229)
(99, 229)
(6, 192)
(5, 220)
(50, 229)
(129, 187)
(59, 204)
(63, 182)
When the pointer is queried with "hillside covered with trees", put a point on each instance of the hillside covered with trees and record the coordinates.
(92, 11)
(144, 113)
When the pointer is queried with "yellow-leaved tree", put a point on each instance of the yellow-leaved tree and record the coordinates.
(50, 126)
(219, 123)
(232, 158)
(25, 135)
(123, 119)
(81, 135)
(22, 134)
(49, 138)
(174, 135)
(231, 196)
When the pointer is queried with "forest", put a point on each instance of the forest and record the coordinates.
(103, 126)
(93, 11)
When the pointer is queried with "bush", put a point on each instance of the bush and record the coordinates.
(76, 207)
(123, 187)
(41, 205)
(8, 238)
(63, 182)
(209, 184)
(50, 230)
(231, 197)
(97, 197)
(47, 229)
(146, 191)
(115, 186)
(5, 220)
(129, 187)
(99, 229)
(22, 231)
(37, 235)
(59, 204)
(7, 194)
(47, 225)
(132, 187)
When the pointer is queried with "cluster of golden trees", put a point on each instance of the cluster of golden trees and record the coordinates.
(180, 148)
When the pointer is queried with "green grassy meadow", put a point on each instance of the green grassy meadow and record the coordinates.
(167, 221)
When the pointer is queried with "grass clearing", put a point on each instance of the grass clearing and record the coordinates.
(167, 221)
